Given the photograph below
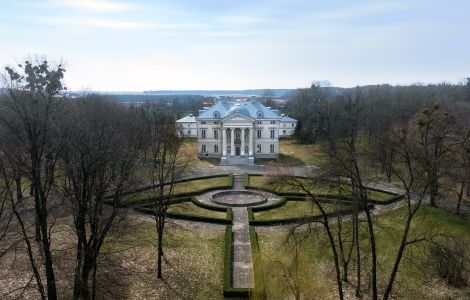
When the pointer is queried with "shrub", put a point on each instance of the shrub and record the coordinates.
(449, 259)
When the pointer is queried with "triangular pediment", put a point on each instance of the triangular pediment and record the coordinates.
(237, 117)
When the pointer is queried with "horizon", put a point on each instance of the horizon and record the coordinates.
(123, 45)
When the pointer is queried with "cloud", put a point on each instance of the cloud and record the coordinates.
(365, 10)
(97, 5)
(113, 24)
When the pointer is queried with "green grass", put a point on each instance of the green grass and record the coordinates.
(318, 189)
(314, 272)
(296, 154)
(189, 208)
(293, 209)
(193, 186)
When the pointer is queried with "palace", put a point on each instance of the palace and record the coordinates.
(238, 132)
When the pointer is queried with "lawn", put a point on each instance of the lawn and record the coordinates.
(189, 208)
(294, 209)
(296, 154)
(318, 189)
(314, 270)
(190, 149)
(192, 265)
(193, 186)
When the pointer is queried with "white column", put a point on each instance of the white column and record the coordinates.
(232, 141)
(224, 141)
(250, 146)
(242, 135)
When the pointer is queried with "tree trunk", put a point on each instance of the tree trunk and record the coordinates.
(433, 191)
(335, 257)
(159, 246)
(373, 271)
(358, 252)
(398, 258)
(460, 196)
(19, 193)
(36, 215)
(51, 286)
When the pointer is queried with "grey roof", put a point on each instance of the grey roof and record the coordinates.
(187, 119)
(248, 108)
(287, 119)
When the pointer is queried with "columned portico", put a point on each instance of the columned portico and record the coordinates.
(238, 141)
(250, 146)
(232, 141)
(242, 137)
(224, 142)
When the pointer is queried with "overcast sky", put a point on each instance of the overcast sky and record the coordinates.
(137, 45)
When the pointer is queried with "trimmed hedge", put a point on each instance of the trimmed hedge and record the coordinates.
(260, 286)
(206, 205)
(255, 222)
(198, 218)
(148, 187)
(179, 216)
(277, 204)
(325, 196)
(143, 201)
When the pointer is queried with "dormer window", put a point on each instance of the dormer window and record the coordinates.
(259, 114)
(216, 115)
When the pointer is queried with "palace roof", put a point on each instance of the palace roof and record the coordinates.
(252, 109)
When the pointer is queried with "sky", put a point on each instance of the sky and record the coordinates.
(138, 45)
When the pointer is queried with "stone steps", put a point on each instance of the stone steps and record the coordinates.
(238, 182)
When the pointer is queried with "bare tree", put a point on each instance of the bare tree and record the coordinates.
(167, 167)
(29, 115)
(98, 161)
(433, 129)
(415, 182)
(6, 213)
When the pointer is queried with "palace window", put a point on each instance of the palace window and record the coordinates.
(259, 122)
(203, 133)
(273, 122)
(216, 114)
(203, 122)
(203, 148)
(258, 148)
(259, 114)
(216, 134)
(271, 148)
(216, 148)
(258, 133)
(272, 135)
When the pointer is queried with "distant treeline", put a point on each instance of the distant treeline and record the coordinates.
(381, 106)
(212, 93)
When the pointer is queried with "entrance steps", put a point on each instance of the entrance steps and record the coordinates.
(236, 160)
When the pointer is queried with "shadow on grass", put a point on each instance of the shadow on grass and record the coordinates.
(284, 160)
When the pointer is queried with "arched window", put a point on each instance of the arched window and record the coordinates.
(216, 114)
(259, 114)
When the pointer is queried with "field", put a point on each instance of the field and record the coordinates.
(314, 273)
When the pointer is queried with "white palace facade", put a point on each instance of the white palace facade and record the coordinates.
(238, 132)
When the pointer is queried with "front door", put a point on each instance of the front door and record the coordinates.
(237, 151)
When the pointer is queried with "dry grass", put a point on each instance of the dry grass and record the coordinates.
(192, 268)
